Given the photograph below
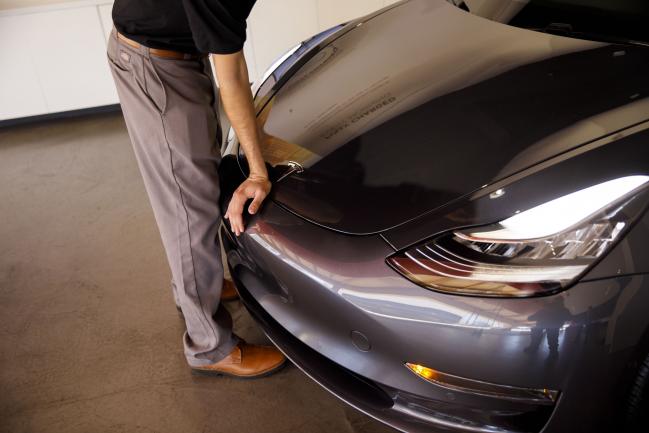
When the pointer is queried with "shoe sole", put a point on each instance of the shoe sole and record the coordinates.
(214, 373)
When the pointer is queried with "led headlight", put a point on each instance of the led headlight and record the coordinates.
(539, 250)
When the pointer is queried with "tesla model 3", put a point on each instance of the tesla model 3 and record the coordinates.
(457, 237)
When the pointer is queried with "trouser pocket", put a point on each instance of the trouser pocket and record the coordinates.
(153, 85)
(116, 56)
(134, 65)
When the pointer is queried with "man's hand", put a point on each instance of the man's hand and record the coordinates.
(255, 188)
(234, 84)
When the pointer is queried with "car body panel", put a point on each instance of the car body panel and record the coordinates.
(624, 153)
(494, 108)
(387, 132)
(628, 257)
(321, 294)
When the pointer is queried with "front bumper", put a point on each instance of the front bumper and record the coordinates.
(314, 291)
(390, 406)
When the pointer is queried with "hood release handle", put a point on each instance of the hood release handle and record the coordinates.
(293, 167)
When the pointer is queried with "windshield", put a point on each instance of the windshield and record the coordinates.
(607, 20)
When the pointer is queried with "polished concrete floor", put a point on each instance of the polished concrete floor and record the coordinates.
(90, 340)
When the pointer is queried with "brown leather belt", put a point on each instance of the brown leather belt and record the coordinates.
(168, 54)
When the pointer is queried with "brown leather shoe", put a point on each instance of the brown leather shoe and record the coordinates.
(246, 361)
(229, 291)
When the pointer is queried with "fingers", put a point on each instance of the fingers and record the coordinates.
(251, 188)
(256, 202)
(235, 211)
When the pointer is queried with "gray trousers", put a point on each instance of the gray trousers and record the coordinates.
(170, 107)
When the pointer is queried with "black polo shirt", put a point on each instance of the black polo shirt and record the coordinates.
(188, 26)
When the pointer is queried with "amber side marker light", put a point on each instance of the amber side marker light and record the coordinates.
(461, 384)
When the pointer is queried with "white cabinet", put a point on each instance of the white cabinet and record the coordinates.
(68, 50)
(21, 92)
(53, 57)
(251, 58)
(106, 18)
(52, 61)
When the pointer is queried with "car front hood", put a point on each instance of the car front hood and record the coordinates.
(425, 103)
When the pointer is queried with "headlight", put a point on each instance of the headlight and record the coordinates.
(537, 251)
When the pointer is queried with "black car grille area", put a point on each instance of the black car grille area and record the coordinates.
(519, 418)
(356, 389)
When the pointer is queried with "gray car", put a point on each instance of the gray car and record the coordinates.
(457, 237)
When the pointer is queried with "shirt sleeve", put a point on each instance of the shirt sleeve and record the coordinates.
(218, 26)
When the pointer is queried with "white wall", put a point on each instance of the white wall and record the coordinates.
(52, 52)
(53, 59)
(13, 4)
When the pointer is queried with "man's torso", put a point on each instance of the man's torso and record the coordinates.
(166, 24)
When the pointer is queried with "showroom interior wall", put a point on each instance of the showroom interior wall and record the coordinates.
(52, 52)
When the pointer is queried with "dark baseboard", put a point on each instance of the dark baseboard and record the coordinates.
(62, 115)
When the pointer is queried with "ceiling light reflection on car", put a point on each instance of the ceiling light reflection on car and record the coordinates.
(562, 213)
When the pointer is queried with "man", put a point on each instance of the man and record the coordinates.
(158, 56)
